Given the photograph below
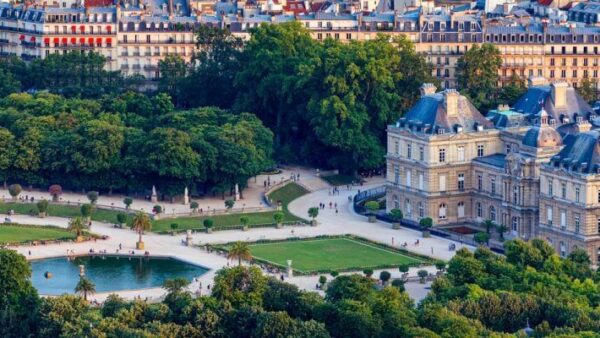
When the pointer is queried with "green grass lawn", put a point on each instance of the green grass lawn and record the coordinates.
(59, 210)
(339, 179)
(286, 194)
(329, 254)
(28, 233)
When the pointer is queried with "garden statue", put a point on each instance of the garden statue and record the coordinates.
(154, 197)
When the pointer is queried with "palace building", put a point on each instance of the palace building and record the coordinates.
(534, 167)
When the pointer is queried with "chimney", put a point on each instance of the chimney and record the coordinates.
(451, 102)
(170, 8)
(559, 94)
(535, 81)
(427, 89)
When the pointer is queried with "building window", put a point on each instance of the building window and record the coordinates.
(550, 192)
(492, 213)
(421, 210)
(480, 150)
(515, 224)
(461, 181)
(516, 194)
(421, 153)
(563, 219)
(442, 155)
(421, 181)
(397, 148)
(508, 148)
(461, 209)
(442, 183)
(408, 177)
(599, 225)
(549, 215)
(396, 174)
(479, 182)
(479, 210)
(493, 185)
(408, 207)
(563, 190)
(442, 211)
(577, 194)
(396, 203)
(461, 154)
(576, 220)
(563, 249)
(409, 150)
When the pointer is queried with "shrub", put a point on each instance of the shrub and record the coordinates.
(194, 205)
(127, 201)
(244, 220)
(229, 204)
(368, 272)
(14, 190)
(426, 223)
(422, 273)
(481, 238)
(86, 210)
(208, 223)
(55, 190)
(42, 206)
(121, 218)
(174, 226)
(396, 214)
(334, 274)
(399, 284)
(385, 276)
(278, 217)
(157, 209)
(322, 280)
(92, 196)
(372, 206)
(440, 265)
(313, 212)
(404, 268)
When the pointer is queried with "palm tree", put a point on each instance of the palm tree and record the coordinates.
(77, 225)
(239, 250)
(141, 222)
(85, 287)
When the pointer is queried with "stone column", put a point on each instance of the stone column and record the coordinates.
(154, 197)
(186, 197)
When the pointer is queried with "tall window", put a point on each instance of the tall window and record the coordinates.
(442, 156)
(479, 210)
(408, 177)
(421, 181)
(461, 154)
(396, 174)
(599, 225)
(492, 213)
(577, 194)
(516, 194)
(461, 209)
(563, 249)
(576, 220)
(563, 219)
(442, 211)
(550, 186)
(563, 190)
(409, 150)
(461, 181)
(508, 148)
(396, 202)
(397, 147)
(549, 215)
(408, 207)
(479, 182)
(480, 150)
(421, 210)
(493, 185)
(515, 224)
(442, 182)
(421, 153)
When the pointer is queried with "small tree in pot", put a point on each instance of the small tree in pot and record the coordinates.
(372, 207)
(482, 238)
(322, 280)
(157, 209)
(278, 218)
(127, 201)
(14, 190)
(368, 272)
(194, 206)
(426, 223)
(77, 225)
(208, 224)
(122, 219)
(244, 220)
(174, 227)
(55, 191)
(501, 229)
(229, 204)
(489, 225)
(398, 284)
(92, 196)
(86, 212)
(42, 208)
(422, 275)
(385, 276)
(397, 216)
(141, 222)
(313, 212)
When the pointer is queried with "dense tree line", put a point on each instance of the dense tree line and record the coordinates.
(481, 295)
(128, 143)
(328, 103)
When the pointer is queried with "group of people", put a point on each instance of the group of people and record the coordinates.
(332, 205)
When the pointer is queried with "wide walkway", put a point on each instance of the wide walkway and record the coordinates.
(344, 221)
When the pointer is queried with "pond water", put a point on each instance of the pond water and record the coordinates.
(109, 273)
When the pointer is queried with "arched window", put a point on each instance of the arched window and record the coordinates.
(408, 207)
(421, 210)
(461, 209)
(479, 210)
(492, 213)
(396, 202)
(442, 211)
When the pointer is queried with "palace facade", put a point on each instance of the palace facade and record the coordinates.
(534, 167)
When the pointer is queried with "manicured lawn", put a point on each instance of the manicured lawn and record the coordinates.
(330, 254)
(339, 179)
(59, 210)
(285, 194)
(21, 234)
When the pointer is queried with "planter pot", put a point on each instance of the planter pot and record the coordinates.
(41, 214)
(426, 233)
(14, 198)
(79, 239)
(422, 280)
(140, 245)
(313, 223)
(209, 230)
(279, 225)
(396, 225)
(372, 219)
(122, 225)
(245, 228)
(55, 198)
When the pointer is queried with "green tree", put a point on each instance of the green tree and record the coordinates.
(141, 222)
(501, 229)
(513, 90)
(86, 211)
(42, 206)
(588, 89)
(229, 204)
(244, 220)
(240, 251)
(352, 287)
(77, 225)
(92, 196)
(477, 74)
(127, 201)
(481, 238)
(172, 70)
(14, 190)
(7, 151)
(313, 212)
(240, 286)
(278, 217)
(489, 225)
(176, 285)
(85, 287)
(384, 276)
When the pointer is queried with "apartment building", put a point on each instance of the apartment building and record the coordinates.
(534, 167)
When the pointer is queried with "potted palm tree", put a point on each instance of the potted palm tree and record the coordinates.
(141, 222)
(42, 208)
(426, 223)
(244, 220)
(278, 218)
(208, 224)
(372, 207)
(501, 229)
(313, 212)
(489, 225)
(239, 250)
(397, 216)
(85, 287)
(14, 190)
(77, 225)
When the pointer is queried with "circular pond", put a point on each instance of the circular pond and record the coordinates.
(109, 273)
